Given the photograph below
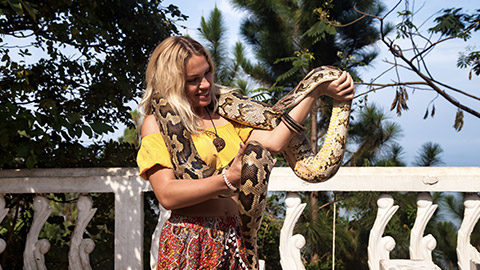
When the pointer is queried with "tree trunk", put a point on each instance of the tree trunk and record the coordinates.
(314, 195)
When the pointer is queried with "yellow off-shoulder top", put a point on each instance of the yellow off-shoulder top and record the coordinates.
(153, 150)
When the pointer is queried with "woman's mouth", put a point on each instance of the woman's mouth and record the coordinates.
(204, 95)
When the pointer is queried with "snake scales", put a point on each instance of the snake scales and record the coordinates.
(257, 161)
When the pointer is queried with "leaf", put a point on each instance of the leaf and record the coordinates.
(458, 125)
(47, 103)
(23, 150)
(100, 128)
(87, 130)
(394, 103)
(73, 117)
(78, 131)
(16, 6)
(5, 58)
(30, 162)
(31, 11)
(65, 135)
(426, 114)
(71, 132)
(63, 122)
(75, 31)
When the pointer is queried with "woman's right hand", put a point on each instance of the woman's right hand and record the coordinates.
(233, 173)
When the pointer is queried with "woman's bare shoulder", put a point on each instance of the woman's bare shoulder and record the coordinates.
(149, 125)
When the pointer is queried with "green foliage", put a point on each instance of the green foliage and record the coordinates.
(290, 38)
(393, 156)
(269, 233)
(213, 31)
(300, 62)
(470, 58)
(406, 26)
(68, 70)
(228, 71)
(373, 134)
(429, 155)
(452, 23)
(320, 30)
(131, 135)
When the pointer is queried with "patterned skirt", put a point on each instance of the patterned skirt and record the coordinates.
(201, 243)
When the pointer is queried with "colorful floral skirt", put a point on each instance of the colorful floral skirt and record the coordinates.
(201, 243)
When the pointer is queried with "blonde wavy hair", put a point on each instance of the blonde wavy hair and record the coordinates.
(166, 75)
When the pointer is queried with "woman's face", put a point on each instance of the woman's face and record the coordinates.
(198, 82)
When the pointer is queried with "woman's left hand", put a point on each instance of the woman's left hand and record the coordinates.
(341, 89)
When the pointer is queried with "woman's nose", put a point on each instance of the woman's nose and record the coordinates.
(204, 83)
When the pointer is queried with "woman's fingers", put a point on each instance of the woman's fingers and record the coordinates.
(233, 173)
(346, 89)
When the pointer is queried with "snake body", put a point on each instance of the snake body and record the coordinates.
(257, 161)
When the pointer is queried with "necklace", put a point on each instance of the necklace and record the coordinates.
(218, 142)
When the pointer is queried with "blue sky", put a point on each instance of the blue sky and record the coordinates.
(460, 148)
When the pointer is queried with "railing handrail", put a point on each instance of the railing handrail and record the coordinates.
(414, 179)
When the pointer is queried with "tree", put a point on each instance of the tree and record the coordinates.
(68, 71)
(214, 32)
(228, 71)
(429, 155)
(288, 40)
(373, 134)
(277, 29)
(131, 135)
(393, 157)
(454, 23)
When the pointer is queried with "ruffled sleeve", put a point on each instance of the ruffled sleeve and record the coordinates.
(242, 131)
(152, 151)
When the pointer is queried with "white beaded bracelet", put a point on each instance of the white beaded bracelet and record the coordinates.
(229, 185)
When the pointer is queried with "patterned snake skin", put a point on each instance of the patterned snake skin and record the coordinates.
(257, 161)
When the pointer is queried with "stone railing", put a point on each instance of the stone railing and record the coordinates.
(129, 190)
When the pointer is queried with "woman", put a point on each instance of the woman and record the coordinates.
(202, 232)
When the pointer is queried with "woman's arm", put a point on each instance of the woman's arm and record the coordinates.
(173, 193)
(275, 140)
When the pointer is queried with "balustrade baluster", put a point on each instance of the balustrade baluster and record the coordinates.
(379, 247)
(468, 255)
(421, 247)
(80, 249)
(3, 213)
(33, 256)
(290, 244)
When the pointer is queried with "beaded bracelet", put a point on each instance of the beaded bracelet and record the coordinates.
(229, 185)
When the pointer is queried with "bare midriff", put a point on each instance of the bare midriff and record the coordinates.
(218, 207)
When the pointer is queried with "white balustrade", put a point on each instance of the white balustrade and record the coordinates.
(33, 258)
(290, 245)
(129, 189)
(78, 255)
(3, 213)
(420, 246)
(468, 256)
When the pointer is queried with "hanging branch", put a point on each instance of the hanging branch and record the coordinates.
(417, 60)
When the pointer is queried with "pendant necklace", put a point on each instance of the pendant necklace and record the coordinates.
(218, 142)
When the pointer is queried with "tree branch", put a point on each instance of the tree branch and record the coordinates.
(397, 52)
